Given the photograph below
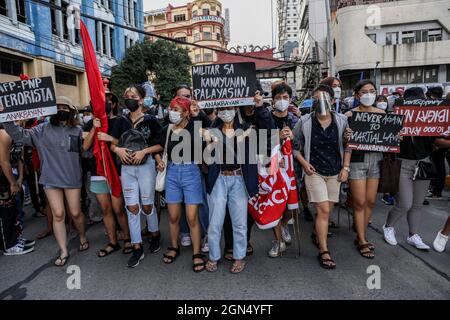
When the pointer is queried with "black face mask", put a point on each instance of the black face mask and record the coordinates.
(63, 115)
(132, 104)
(108, 108)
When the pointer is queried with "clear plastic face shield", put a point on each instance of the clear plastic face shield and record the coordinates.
(322, 102)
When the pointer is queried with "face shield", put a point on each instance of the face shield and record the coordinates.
(322, 103)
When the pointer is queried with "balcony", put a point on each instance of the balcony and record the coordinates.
(208, 19)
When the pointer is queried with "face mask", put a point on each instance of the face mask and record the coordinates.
(132, 104)
(175, 117)
(337, 92)
(63, 115)
(282, 105)
(368, 99)
(148, 102)
(86, 119)
(382, 105)
(227, 115)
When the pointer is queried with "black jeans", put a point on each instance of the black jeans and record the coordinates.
(438, 158)
(228, 230)
(8, 229)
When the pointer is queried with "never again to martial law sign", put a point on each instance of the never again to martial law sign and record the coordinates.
(375, 132)
(424, 117)
(224, 85)
(26, 99)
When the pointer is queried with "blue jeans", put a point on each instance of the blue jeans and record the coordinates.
(228, 191)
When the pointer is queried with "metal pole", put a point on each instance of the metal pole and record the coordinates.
(332, 70)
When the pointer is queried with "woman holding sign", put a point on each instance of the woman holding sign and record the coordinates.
(364, 172)
(59, 145)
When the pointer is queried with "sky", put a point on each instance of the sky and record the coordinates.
(250, 19)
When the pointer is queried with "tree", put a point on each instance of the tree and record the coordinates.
(171, 64)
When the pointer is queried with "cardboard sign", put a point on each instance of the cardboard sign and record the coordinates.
(375, 132)
(27, 99)
(424, 117)
(224, 85)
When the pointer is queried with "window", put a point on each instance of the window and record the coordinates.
(197, 37)
(431, 74)
(184, 39)
(401, 76)
(179, 17)
(21, 14)
(126, 42)
(53, 18)
(218, 13)
(195, 13)
(391, 38)
(206, 12)
(435, 35)
(373, 37)
(218, 37)
(3, 8)
(208, 57)
(448, 73)
(111, 41)
(415, 75)
(198, 58)
(104, 38)
(207, 36)
(65, 29)
(10, 66)
(65, 77)
(408, 37)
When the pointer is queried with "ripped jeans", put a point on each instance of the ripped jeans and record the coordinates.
(138, 184)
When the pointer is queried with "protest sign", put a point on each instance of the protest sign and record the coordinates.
(424, 117)
(375, 132)
(224, 85)
(26, 99)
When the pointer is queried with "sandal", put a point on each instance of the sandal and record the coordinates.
(105, 252)
(211, 266)
(171, 259)
(371, 246)
(228, 255)
(249, 250)
(237, 267)
(326, 263)
(363, 252)
(62, 260)
(196, 265)
(84, 246)
(127, 246)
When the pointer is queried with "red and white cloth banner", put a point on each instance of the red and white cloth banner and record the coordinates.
(277, 189)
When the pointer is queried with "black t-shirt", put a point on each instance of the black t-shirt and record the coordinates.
(280, 123)
(148, 126)
(91, 164)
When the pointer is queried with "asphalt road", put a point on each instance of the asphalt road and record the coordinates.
(406, 273)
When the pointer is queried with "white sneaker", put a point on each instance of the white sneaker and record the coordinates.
(205, 247)
(416, 241)
(276, 249)
(285, 234)
(186, 241)
(440, 242)
(291, 221)
(17, 250)
(389, 235)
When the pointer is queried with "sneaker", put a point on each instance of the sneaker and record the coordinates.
(389, 235)
(277, 249)
(136, 258)
(26, 243)
(205, 247)
(285, 234)
(440, 242)
(388, 200)
(154, 244)
(17, 250)
(416, 241)
(291, 221)
(186, 241)
(433, 197)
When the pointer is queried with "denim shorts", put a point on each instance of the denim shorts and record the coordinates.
(99, 185)
(183, 184)
(368, 169)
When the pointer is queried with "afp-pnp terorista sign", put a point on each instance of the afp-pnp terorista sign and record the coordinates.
(27, 99)
(224, 85)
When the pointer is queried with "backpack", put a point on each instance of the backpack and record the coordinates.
(133, 140)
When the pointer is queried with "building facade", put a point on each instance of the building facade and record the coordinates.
(400, 44)
(35, 39)
(289, 12)
(199, 22)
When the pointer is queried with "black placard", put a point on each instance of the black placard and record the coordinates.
(26, 99)
(224, 85)
(375, 132)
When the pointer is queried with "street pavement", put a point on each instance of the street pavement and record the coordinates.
(406, 273)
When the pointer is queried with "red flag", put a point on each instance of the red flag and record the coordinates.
(286, 150)
(104, 160)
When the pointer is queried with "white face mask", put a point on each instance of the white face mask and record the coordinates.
(337, 92)
(86, 119)
(282, 105)
(382, 105)
(227, 115)
(368, 99)
(175, 117)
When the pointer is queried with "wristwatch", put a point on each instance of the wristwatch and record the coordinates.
(347, 169)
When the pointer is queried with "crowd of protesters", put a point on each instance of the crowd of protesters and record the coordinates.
(51, 162)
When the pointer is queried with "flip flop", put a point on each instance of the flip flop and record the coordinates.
(63, 261)
(84, 246)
